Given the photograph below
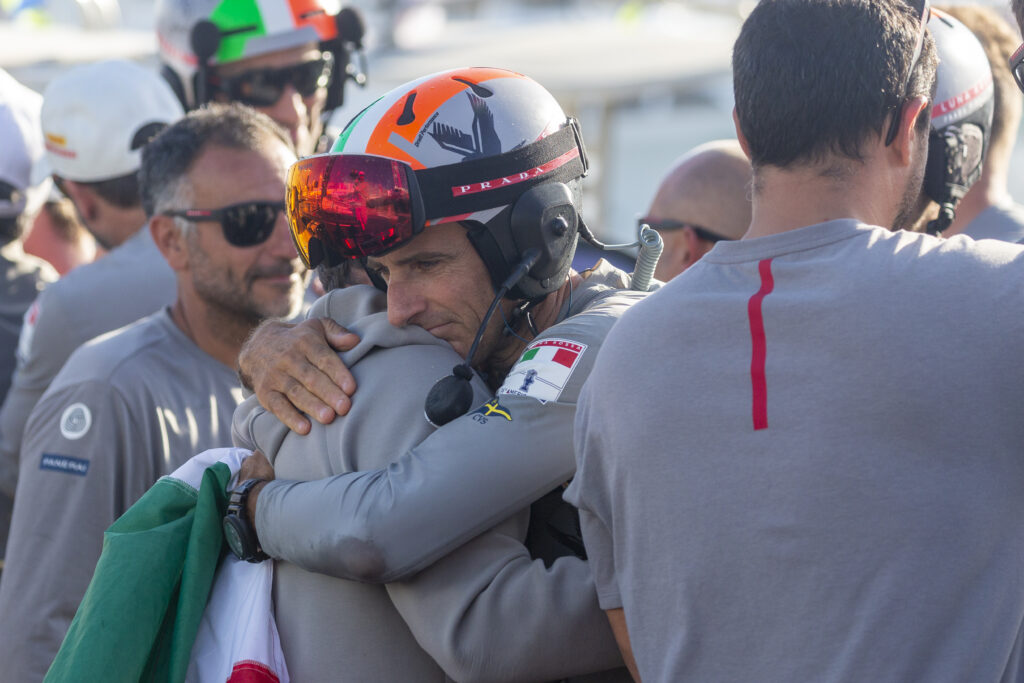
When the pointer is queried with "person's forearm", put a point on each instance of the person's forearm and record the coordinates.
(385, 525)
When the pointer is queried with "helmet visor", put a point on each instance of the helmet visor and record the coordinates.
(350, 206)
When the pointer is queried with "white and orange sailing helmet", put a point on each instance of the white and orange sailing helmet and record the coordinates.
(488, 148)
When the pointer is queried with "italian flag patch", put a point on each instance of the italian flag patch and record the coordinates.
(544, 369)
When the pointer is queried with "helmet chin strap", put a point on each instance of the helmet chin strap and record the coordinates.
(452, 396)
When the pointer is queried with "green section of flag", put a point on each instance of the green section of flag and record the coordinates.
(141, 612)
(528, 355)
(236, 15)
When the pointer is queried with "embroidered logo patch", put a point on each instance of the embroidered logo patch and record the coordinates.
(75, 421)
(544, 369)
(64, 463)
(493, 409)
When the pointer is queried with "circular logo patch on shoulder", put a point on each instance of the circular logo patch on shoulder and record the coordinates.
(75, 421)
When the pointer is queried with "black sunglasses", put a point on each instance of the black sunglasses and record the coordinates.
(702, 233)
(1017, 66)
(921, 9)
(264, 87)
(244, 225)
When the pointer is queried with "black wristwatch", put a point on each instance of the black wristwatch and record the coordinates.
(239, 533)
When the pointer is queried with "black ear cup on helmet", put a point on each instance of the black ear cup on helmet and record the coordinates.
(955, 156)
(351, 30)
(544, 218)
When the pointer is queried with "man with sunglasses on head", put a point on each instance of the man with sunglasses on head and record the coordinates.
(842, 499)
(135, 404)
(95, 121)
(289, 59)
(701, 200)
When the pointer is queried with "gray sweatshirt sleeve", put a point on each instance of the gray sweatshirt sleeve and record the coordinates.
(487, 612)
(72, 486)
(387, 524)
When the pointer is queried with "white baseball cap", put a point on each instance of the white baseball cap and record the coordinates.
(21, 146)
(96, 119)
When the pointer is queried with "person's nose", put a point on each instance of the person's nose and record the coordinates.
(404, 303)
(289, 111)
(280, 243)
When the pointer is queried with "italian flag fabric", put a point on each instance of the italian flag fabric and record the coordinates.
(544, 369)
(147, 600)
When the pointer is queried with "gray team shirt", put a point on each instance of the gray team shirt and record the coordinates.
(1005, 223)
(130, 282)
(801, 460)
(526, 458)
(332, 629)
(126, 409)
(485, 611)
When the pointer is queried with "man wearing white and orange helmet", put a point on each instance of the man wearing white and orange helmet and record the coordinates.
(468, 214)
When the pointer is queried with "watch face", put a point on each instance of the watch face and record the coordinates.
(233, 538)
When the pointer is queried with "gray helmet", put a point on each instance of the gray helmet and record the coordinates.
(961, 116)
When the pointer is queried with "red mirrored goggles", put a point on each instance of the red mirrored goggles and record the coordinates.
(345, 206)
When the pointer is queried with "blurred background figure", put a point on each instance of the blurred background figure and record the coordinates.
(95, 121)
(289, 59)
(704, 198)
(988, 211)
(22, 276)
(58, 237)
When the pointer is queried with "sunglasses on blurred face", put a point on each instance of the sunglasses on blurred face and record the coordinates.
(263, 87)
(662, 226)
(245, 225)
(1017, 66)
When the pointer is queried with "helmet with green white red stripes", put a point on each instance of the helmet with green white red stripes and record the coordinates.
(194, 34)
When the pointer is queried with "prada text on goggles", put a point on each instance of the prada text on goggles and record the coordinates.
(245, 225)
(343, 206)
(263, 87)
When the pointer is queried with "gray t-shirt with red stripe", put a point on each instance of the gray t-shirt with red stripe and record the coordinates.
(802, 460)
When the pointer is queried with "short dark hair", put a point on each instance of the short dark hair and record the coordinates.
(999, 41)
(168, 157)
(816, 78)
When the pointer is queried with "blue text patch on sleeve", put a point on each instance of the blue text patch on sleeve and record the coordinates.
(64, 463)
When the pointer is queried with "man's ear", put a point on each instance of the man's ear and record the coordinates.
(695, 246)
(906, 135)
(170, 240)
(744, 145)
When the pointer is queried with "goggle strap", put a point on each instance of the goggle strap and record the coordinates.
(437, 185)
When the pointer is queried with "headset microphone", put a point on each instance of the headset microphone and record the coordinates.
(452, 396)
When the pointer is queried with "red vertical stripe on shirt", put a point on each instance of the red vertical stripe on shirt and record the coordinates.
(759, 349)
